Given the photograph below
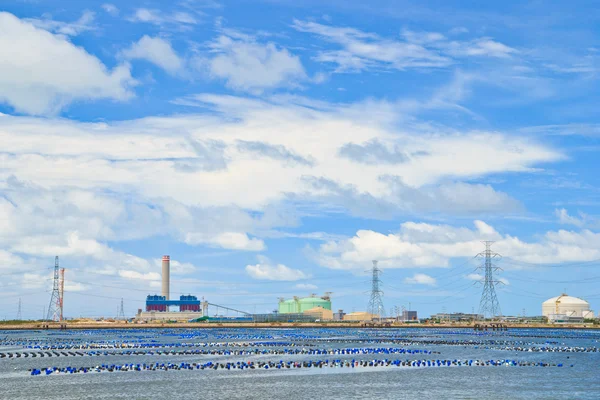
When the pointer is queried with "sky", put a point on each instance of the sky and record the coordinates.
(275, 148)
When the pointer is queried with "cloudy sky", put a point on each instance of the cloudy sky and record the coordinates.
(274, 148)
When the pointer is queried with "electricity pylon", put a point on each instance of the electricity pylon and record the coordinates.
(489, 305)
(376, 302)
(56, 303)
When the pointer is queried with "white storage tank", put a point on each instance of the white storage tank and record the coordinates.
(568, 306)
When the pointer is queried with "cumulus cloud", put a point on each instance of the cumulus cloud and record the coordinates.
(265, 270)
(428, 245)
(156, 51)
(248, 65)
(53, 72)
(420, 279)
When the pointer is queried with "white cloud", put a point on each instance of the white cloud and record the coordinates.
(157, 51)
(362, 50)
(34, 281)
(127, 156)
(179, 268)
(239, 241)
(427, 245)
(179, 19)
(475, 277)
(135, 275)
(265, 270)
(110, 8)
(420, 279)
(565, 218)
(53, 72)
(248, 65)
(83, 24)
(226, 240)
(307, 286)
(75, 286)
(480, 47)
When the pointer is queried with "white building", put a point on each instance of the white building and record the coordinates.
(565, 306)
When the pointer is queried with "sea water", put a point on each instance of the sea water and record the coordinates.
(576, 350)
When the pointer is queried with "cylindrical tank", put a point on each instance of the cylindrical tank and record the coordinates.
(307, 303)
(166, 270)
(299, 305)
(565, 305)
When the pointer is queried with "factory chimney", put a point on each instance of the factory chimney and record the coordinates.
(166, 270)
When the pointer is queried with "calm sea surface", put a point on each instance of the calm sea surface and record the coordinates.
(577, 351)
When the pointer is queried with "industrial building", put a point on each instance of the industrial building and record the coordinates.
(320, 313)
(160, 303)
(359, 316)
(299, 305)
(339, 315)
(408, 316)
(566, 308)
(456, 317)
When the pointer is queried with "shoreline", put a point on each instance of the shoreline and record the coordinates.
(268, 325)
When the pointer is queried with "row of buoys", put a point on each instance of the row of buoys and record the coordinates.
(437, 342)
(124, 345)
(553, 349)
(265, 365)
(257, 351)
(290, 351)
(221, 338)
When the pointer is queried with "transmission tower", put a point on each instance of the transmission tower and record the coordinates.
(19, 317)
(376, 303)
(489, 305)
(121, 314)
(55, 307)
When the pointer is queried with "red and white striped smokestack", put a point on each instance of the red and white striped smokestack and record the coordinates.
(166, 270)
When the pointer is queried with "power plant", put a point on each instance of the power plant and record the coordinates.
(189, 306)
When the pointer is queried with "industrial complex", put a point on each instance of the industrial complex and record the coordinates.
(315, 308)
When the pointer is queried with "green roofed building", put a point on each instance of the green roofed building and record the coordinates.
(301, 304)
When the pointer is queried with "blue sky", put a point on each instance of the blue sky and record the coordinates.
(274, 149)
